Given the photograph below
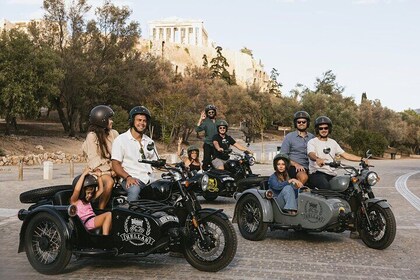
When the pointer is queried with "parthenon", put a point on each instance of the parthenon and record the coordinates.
(176, 30)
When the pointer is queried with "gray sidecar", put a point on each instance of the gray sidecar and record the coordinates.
(257, 209)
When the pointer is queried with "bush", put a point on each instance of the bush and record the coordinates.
(2, 153)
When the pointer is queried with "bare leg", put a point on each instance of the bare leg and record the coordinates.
(108, 185)
(302, 177)
(104, 220)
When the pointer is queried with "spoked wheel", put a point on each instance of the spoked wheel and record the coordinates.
(45, 244)
(216, 249)
(250, 218)
(382, 231)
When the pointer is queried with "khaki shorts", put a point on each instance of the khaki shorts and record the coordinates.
(218, 163)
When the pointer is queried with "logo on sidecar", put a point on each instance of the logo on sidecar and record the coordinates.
(212, 185)
(313, 212)
(137, 231)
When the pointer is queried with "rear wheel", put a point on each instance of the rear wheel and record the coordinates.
(45, 244)
(215, 249)
(250, 218)
(382, 231)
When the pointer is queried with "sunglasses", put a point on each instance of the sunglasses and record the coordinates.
(301, 122)
(222, 127)
(323, 128)
(211, 112)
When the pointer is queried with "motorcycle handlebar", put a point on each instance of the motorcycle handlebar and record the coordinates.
(154, 163)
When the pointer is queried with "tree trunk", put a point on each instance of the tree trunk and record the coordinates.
(61, 114)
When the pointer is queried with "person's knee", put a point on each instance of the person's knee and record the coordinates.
(302, 177)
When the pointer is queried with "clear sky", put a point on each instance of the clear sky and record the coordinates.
(372, 46)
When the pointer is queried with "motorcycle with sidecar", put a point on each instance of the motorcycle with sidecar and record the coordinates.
(237, 176)
(168, 218)
(349, 204)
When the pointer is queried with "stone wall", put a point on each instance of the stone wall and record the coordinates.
(38, 159)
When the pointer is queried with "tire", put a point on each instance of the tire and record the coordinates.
(220, 234)
(210, 196)
(383, 229)
(36, 195)
(45, 244)
(250, 219)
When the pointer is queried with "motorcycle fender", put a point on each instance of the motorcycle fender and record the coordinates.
(207, 212)
(381, 202)
(266, 206)
(50, 210)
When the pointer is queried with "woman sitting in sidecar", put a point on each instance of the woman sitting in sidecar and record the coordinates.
(284, 187)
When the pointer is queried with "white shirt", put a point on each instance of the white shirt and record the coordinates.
(127, 150)
(317, 146)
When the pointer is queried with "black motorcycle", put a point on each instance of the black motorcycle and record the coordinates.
(237, 176)
(168, 218)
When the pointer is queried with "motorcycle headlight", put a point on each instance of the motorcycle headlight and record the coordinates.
(204, 182)
(251, 161)
(372, 178)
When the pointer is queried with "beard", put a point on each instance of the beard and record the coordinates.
(138, 131)
(302, 129)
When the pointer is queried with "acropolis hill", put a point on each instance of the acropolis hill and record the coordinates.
(184, 42)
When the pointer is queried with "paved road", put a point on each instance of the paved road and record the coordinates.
(282, 255)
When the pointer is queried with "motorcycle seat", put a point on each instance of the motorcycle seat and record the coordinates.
(218, 172)
(264, 185)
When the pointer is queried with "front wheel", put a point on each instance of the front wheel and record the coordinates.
(382, 231)
(250, 218)
(215, 248)
(45, 244)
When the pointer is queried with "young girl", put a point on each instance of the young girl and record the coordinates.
(84, 192)
(97, 147)
(283, 187)
(192, 159)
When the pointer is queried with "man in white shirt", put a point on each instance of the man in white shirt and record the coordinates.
(321, 173)
(130, 147)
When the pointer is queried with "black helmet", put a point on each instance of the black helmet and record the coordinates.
(279, 157)
(323, 120)
(209, 108)
(138, 110)
(222, 123)
(301, 115)
(89, 181)
(100, 115)
(192, 148)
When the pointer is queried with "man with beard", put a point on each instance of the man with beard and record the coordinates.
(321, 173)
(130, 147)
(207, 122)
(295, 144)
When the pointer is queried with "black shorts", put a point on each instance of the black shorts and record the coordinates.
(292, 171)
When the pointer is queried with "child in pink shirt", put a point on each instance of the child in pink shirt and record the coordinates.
(84, 192)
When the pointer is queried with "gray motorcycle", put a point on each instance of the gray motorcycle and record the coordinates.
(349, 204)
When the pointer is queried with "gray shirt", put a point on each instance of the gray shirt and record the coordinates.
(295, 147)
(210, 129)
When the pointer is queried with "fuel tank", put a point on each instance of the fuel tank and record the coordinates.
(340, 183)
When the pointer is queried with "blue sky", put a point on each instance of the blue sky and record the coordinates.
(372, 46)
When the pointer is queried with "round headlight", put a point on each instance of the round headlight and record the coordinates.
(372, 178)
(72, 210)
(251, 161)
(204, 182)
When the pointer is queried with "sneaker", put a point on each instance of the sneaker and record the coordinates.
(354, 235)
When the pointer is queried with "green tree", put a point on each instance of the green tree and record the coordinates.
(247, 51)
(218, 67)
(28, 76)
(273, 85)
(364, 140)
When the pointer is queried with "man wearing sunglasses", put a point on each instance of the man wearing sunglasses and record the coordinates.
(222, 142)
(295, 146)
(207, 122)
(319, 172)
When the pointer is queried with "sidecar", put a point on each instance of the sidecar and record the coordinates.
(52, 232)
(318, 210)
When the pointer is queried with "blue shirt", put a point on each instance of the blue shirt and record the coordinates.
(295, 147)
(275, 184)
